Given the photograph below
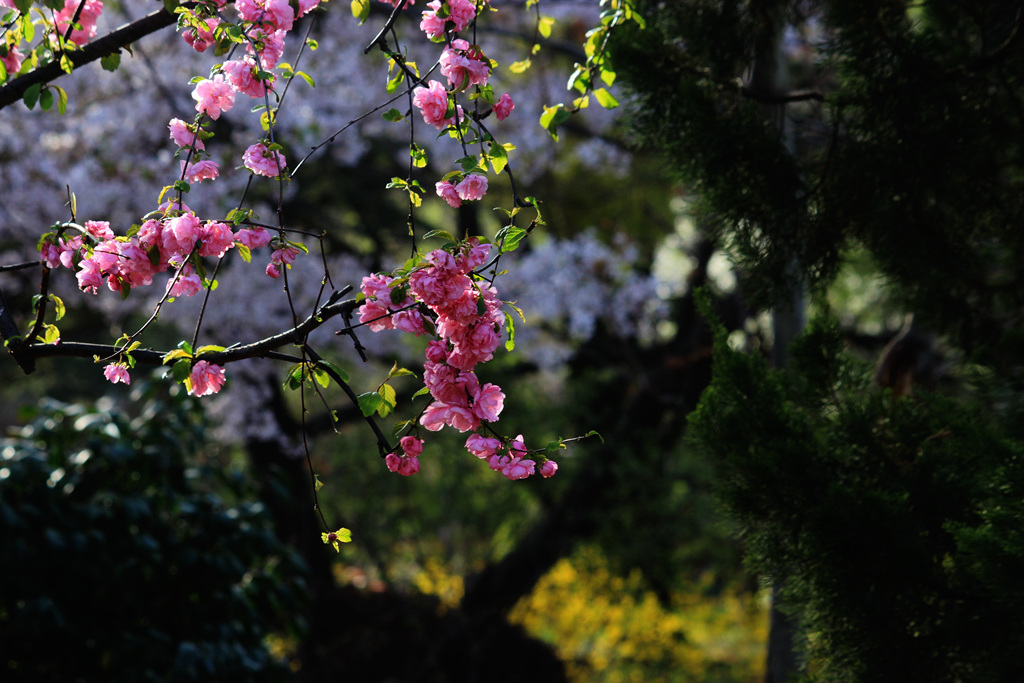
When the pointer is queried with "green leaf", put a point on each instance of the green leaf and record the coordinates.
(321, 377)
(605, 99)
(111, 62)
(512, 238)
(544, 25)
(519, 67)
(181, 370)
(422, 392)
(62, 100)
(335, 369)
(209, 348)
(65, 64)
(51, 335)
(318, 484)
(244, 252)
(392, 115)
(388, 400)
(593, 433)
(31, 95)
(440, 233)
(510, 325)
(361, 10)
(58, 306)
(295, 375)
(23, 6)
(174, 355)
(369, 402)
(306, 77)
(499, 158)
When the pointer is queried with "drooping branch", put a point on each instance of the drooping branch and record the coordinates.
(107, 45)
(27, 353)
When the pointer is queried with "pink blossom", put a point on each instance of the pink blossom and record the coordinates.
(409, 321)
(215, 239)
(487, 404)
(180, 234)
(432, 24)
(464, 67)
(200, 171)
(149, 233)
(183, 134)
(307, 6)
(12, 61)
(436, 352)
(518, 468)
(270, 43)
(503, 107)
(548, 469)
(213, 96)
(276, 13)
(86, 19)
(482, 446)
(285, 255)
(254, 238)
(393, 461)
(375, 316)
(377, 286)
(50, 255)
(261, 161)
(432, 102)
(461, 418)
(433, 418)
(89, 276)
(404, 466)
(411, 445)
(202, 37)
(117, 372)
(69, 248)
(185, 285)
(447, 192)
(205, 379)
(461, 13)
(273, 270)
(475, 256)
(99, 229)
(473, 186)
(241, 74)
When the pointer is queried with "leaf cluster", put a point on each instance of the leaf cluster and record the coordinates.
(893, 525)
(118, 551)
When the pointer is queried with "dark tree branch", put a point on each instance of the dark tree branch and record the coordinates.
(260, 349)
(97, 49)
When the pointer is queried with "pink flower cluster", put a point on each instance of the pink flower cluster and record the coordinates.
(408, 463)
(446, 297)
(205, 379)
(472, 187)
(99, 258)
(510, 460)
(432, 102)
(435, 21)
(86, 19)
(262, 161)
(463, 65)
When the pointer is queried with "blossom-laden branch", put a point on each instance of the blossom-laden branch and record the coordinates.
(109, 44)
(26, 353)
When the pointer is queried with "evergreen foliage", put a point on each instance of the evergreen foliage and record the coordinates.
(893, 522)
(121, 564)
(897, 524)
